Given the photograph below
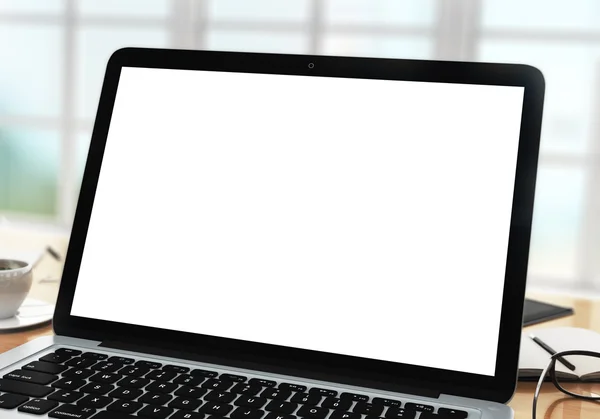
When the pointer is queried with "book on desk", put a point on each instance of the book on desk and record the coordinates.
(533, 358)
(538, 312)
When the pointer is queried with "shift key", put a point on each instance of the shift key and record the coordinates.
(31, 376)
(26, 389)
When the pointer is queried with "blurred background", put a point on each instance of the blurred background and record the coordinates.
(53, 54)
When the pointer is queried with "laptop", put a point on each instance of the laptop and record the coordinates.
(267, 236)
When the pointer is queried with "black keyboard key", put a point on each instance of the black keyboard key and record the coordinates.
(400, 413)
(247, 389)
(354, 397)
(159, 387)
(134, 371)
(105, 414)
(161, 375)
(155, 412)
(203, 373)
(69, 411)
(31, 376)
(148, 364)
(38, 406)
(281, 407)
(10, 401)
(340, 414)
(303, 398)
(189, 380)
(216, 409)
(261, 382)
(81, 362)
(276, 394)
(323, 392)
(55, 358)
(121, 360)
(213, 384)
(67, 351)
(94, 355)
(97, 388)
(292, 387)
(313, 412)
(75, 372)
(124, 406)
(250, 401)
(185, 404)
(25, 389)
(107, 366)
(133, 382)
(387, 402)
(125, 393)
(454, 413)
(95, 401)
(220, 396)
(157, 399)
(187, 415)
(275, 415)
(69, 383)
(418, 407)
(190, 392)
(233, 377)
(47, 367)
(338, 404)
(246, 413)
(365, 408)
(176, 368)
(65, 396)
(103, 377)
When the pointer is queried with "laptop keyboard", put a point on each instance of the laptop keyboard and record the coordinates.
(72, 384)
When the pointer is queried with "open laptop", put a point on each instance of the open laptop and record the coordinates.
(263, 236)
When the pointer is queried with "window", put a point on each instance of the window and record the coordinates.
(53, 55)
(563, 40)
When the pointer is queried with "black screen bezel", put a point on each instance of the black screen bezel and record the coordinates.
(339, 368)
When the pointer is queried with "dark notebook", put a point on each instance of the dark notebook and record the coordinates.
(537, 312)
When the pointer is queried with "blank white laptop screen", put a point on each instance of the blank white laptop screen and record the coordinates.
(358, 217)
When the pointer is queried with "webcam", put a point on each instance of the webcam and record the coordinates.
(311, 65)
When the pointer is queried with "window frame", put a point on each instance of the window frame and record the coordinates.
(455, 33)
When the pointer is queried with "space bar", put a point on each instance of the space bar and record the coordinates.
(26, 389)
(114, 415)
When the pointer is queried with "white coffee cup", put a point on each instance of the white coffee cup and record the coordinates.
(15, 282)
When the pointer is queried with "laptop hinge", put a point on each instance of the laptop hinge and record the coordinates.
(315, 375)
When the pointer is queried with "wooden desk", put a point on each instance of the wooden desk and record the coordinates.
(552, 404)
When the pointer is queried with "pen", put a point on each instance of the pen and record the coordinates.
(552, 352)
(52, 253)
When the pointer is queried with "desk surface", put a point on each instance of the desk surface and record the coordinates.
(552, 403)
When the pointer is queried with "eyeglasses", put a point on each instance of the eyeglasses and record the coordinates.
(575, 373)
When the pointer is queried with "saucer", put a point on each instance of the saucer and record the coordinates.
(32, 313)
